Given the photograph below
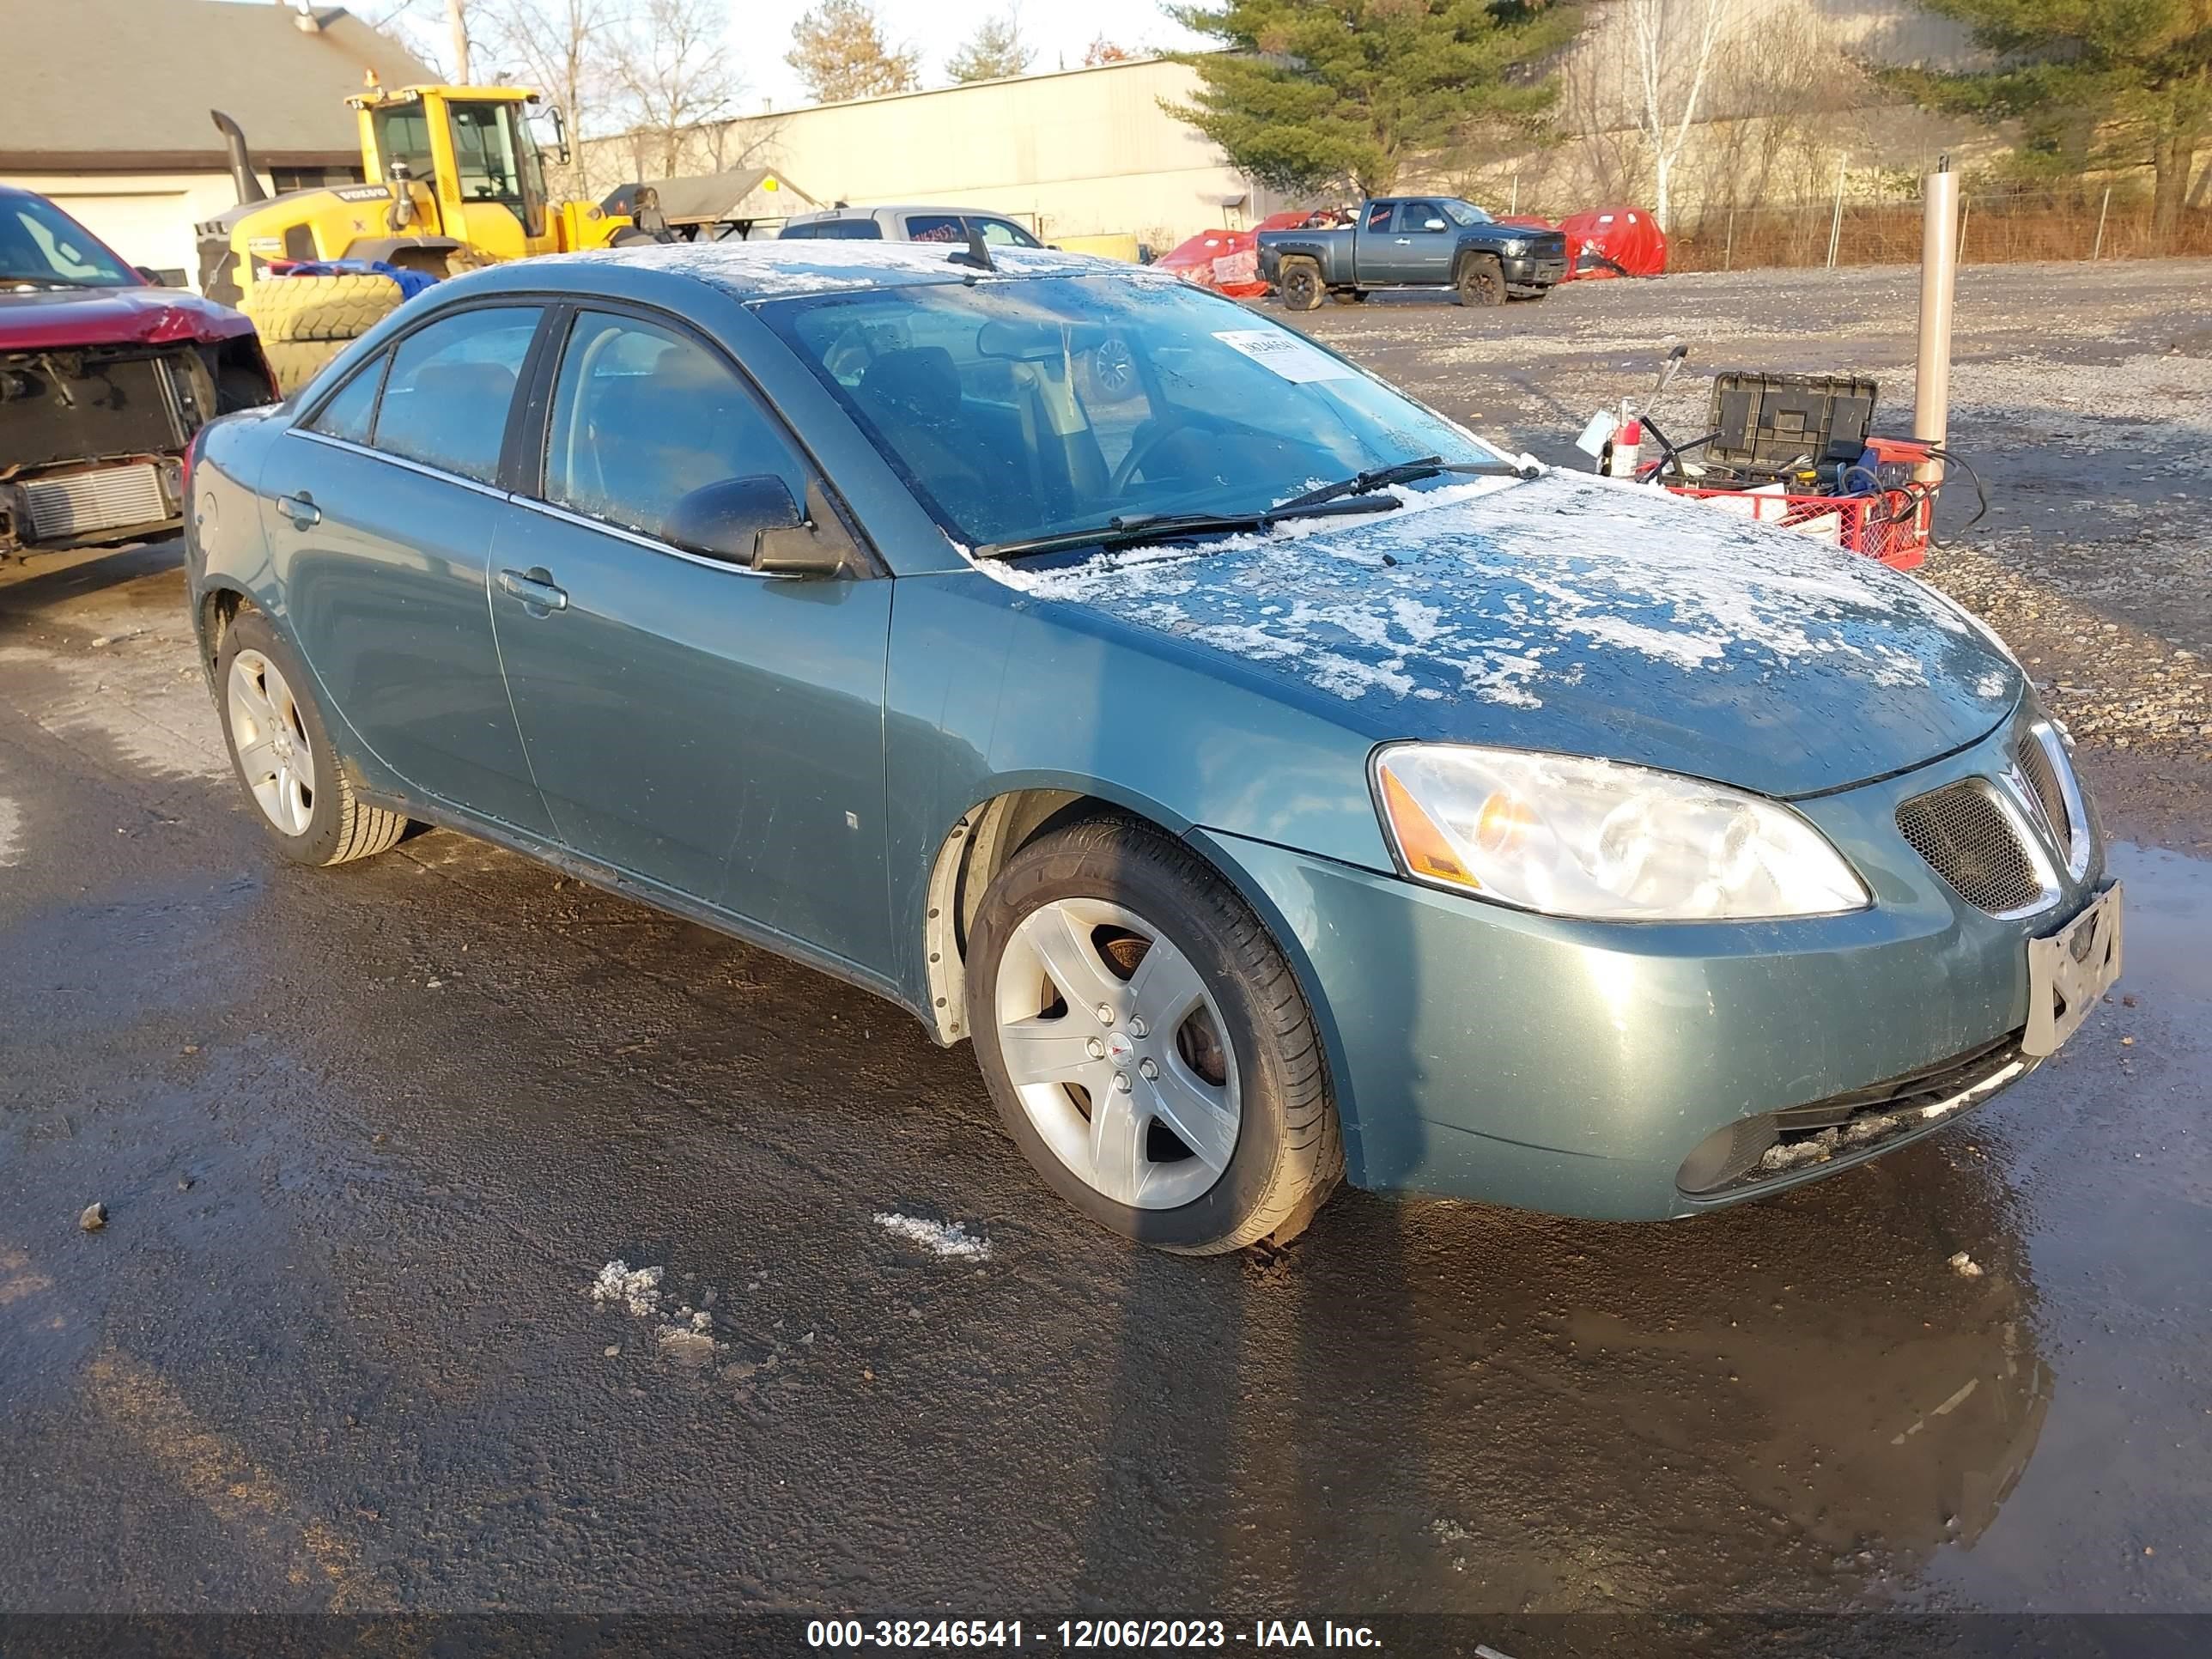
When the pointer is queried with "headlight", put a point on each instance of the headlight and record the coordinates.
(1595, 839)
(1515, 249)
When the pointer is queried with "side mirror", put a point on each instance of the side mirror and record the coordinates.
(1434, 224)
(753, 521)
(152, 275)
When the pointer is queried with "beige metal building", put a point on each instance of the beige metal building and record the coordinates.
(1077, 154)
(106, 108)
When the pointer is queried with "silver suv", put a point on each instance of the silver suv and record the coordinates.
(911, 224)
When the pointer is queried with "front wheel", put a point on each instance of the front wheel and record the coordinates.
(1147, 1045)
(1481, 281)
(281, 750)
(1303, 288)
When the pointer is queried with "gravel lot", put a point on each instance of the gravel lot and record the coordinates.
(389, 1156)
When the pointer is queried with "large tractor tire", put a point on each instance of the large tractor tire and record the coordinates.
(305, 321)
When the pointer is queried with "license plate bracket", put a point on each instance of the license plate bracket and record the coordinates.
(2070, 970)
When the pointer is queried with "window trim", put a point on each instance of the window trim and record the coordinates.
(526, 485)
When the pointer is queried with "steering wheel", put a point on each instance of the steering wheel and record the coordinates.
(1141, 451)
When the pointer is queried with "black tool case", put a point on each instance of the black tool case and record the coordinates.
(1767, 424)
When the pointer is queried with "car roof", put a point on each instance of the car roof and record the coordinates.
(852, 211)
(751, 271)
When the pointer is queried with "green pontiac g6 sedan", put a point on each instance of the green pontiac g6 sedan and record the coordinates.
(1276, 783)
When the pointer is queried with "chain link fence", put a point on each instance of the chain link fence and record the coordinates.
(1862, 227)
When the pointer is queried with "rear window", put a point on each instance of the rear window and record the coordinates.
(851, 230)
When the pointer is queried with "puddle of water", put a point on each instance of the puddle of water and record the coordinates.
(2168, 937)
(2109, 1150)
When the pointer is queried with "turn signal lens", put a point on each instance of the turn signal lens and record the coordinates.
(1425, 849)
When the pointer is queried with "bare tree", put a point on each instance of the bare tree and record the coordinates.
(1674, 43)
(676, 74)
(994, 51)
(560, 47)
(1102, 50)
(839, 51)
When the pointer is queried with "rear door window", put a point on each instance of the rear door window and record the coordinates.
(447, 398)
(935, 228)
(347, 415)
(643, 416)
(1378, 216)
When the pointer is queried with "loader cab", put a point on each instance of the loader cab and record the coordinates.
(468, 162)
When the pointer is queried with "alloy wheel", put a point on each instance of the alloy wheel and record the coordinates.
(274, 754)
(1118, 1052)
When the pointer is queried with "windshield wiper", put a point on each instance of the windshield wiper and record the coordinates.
(37, 279)
(1404, 472)
(1132, 527)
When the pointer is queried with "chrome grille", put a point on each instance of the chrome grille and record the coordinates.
(2043, 778)
(80, 503)
(1970, 841)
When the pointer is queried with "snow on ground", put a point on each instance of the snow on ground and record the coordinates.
(945, 1238)
(637, 1289)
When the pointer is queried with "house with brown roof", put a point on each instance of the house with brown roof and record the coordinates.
(107, 105)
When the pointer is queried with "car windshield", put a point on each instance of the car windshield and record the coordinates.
(1020, 409)
(39, 244)
(1464, 213)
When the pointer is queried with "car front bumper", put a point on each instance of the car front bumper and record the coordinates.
(1534, 271)
(1482, 1052)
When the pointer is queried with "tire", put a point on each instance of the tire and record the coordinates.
(1105, 896)
(327, 824)
(292, 308)
(1480, 281)
(305, 321)
(296, 362)
(1302, 287)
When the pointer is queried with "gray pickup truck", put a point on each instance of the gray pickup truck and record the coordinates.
(1414, 241)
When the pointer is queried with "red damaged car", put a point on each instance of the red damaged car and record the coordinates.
(103, 379)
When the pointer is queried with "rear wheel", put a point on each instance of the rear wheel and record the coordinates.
(1480, 281)
(1147, 1045)
(281, 751)
(1301, 286)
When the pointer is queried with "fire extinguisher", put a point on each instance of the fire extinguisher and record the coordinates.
(1619, 460)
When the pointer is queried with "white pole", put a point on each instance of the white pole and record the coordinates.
(1516, 206)
(2101, 211)
(1836, 223)
(1939, 282)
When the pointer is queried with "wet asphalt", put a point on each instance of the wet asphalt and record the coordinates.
(366, 1138)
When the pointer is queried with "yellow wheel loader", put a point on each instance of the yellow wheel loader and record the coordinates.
(462, 184)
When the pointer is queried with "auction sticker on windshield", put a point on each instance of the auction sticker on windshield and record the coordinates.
(1284, 352)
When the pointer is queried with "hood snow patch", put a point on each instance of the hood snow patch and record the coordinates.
(1495, 589)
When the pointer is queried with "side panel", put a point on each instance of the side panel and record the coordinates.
(990, 691)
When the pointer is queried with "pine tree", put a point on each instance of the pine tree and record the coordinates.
(994, 51)
(1318, 93)
(2092, 83)
(839, 51)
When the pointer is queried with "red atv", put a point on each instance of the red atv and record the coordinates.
(105, 376)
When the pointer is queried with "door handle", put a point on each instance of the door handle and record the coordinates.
(300, 509)
(534, 588)
(1404, 242)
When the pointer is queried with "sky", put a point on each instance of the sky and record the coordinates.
(760, 30)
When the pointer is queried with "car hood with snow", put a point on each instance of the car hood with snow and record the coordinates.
(1583, 617)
